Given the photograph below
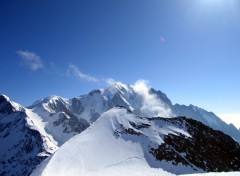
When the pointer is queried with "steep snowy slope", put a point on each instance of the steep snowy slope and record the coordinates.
(60, 117)
(72, 116)
(23, 144)
(123, 144)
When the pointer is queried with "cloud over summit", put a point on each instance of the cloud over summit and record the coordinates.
(151, 104)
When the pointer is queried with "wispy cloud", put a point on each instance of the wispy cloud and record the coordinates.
(30, 59)
(34, 62)
(74, 70)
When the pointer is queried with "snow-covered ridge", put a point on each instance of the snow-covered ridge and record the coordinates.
(8, 106)
(121, 143)
(100, 150)
(138, 98)
(24, 143)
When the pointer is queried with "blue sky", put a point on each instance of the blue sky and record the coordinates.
(188, 49)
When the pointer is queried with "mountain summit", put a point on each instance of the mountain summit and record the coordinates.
(71, 116)
(143, 121)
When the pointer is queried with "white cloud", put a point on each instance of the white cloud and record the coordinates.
(233, 118)
(151, 104)
(30, 59)
(73, 69)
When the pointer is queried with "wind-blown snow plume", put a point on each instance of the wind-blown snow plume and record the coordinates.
(151, 105)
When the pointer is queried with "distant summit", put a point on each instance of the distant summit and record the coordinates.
(138, 98)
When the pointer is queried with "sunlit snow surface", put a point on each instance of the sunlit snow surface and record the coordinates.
(97, 151)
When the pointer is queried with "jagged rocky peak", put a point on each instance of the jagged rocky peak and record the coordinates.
(55, 99)
(96, 91)
(24, 144)
(52, 104)
(77, 106)
(50, 99)
(3, 98)
(8, 106)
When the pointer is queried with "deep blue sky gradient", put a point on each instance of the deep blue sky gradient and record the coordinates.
(197, 61)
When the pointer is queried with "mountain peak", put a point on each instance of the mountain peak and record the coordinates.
(8, 106)
(114, 87)
(3, 98)
(50, 100)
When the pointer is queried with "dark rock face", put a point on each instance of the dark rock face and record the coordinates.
(58, 106)
(207, 118)
(191, 144)
(118, 100)
(67, 118)
(207, 149)
(94, 115)
(20, 146)
(77, 106)
(71, 123)
(97, 91)
(5, 105)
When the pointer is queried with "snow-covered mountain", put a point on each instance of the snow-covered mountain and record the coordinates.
(61, 117)
(71, 116)
(121, 143)
(23, 144)
(28, 135)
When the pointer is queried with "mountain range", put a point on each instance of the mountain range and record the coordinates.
(115, 130)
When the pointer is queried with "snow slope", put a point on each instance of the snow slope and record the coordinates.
(58, 117)
(122, 143)
(100, 151)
